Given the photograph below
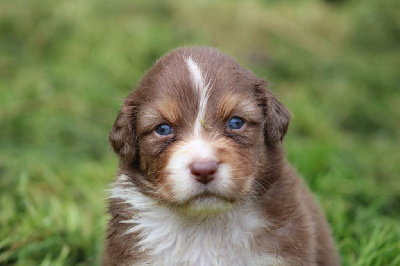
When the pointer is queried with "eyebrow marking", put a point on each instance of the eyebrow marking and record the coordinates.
(199, 85)
(238, 105)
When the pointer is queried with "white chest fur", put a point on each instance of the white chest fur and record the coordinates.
(170, 238)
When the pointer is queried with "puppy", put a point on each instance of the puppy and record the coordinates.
(202, 175)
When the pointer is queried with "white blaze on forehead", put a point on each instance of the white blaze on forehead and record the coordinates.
(195, 73)
(200, 86)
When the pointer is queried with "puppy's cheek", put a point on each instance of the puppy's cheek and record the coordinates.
(223, 183)
(234, 182)
(180, 183)
(237, 169)
(164, 189)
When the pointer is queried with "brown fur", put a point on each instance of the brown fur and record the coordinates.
(298, 232)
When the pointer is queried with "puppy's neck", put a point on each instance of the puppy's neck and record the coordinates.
(166, 235)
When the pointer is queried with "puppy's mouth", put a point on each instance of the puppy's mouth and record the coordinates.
(207, 203)
(207, 195)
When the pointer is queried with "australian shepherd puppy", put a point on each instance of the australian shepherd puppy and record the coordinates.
(202, 176)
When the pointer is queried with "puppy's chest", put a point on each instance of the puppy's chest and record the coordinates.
(167, 238)
(172, 241)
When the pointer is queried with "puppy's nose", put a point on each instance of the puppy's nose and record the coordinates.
(204, 171)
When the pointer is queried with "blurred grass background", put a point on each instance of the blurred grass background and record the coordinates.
(65, 66)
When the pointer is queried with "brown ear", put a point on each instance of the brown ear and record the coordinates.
(276, 116)
(123, 136)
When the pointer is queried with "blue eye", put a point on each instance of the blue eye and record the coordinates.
(164, 129)
(235, 123)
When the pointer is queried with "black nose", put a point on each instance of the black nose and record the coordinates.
(204, 171)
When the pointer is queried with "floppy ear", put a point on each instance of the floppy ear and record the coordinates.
(123, 136)
(276, 116)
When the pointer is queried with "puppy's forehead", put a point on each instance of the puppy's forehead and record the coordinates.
(192, 83)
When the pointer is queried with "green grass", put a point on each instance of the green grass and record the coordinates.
(66, 65)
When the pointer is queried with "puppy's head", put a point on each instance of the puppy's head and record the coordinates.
(200, 133)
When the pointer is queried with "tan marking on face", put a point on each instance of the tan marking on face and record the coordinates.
(170, 110)
(235, 105)
(241, 163)
(163, 111)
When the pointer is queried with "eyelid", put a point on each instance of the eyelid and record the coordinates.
(163, 122)
(152, 129)
(247, 119)
(237, 116)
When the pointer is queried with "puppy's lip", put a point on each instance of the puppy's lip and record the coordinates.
(208, 195)
(205, 195)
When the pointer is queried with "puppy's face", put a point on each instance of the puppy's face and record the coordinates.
(201, 131)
